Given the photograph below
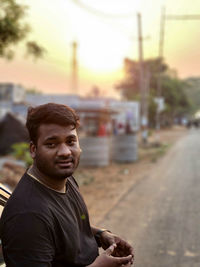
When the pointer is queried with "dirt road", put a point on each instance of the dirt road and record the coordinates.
(160, 214)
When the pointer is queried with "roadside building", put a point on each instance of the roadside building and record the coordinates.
(10, 95)
(65, 99)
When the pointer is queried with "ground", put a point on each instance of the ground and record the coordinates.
(103, 187)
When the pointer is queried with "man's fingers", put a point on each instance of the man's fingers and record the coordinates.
(119, 260)
(110, 250)
(125, 260)
(131, 250)
(125, 247)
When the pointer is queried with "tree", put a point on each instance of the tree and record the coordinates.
(192, 90)
(130, 87)
(176, 100)
(33, 91)
(13, 30)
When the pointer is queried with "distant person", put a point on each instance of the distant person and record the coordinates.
(45, 222)
(120, 128)
(128, 128)
(196, 123)
(189, 124)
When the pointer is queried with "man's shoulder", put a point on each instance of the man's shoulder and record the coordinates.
(73, 181)
(26, 192)
(26, 198)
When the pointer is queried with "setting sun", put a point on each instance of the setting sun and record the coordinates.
(106, 32)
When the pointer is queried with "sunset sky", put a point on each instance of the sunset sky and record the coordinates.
(103, 42)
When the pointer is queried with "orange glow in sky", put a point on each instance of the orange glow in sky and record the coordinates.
(103, 42)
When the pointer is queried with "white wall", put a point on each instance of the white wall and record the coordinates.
(18, 94)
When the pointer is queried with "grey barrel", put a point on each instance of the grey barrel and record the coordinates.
(95, 151)
(124, 148)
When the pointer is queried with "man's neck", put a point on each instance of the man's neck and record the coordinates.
(56, 185)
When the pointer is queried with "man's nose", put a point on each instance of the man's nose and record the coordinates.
(64, 150)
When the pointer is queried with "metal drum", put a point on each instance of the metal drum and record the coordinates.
(124, 148)
(95, 151)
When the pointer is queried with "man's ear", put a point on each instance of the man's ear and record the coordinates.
(32, 150)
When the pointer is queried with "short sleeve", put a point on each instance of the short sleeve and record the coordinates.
(27, 240)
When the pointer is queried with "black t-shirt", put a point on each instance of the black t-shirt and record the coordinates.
(42, 227)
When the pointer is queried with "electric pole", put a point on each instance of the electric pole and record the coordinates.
(159, 79)
(74, 78)
(143, 102)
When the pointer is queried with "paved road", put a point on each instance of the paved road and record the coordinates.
(160, 215)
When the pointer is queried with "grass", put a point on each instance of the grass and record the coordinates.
(159, 152)
(153, 152)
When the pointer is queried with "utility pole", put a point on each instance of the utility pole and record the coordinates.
(147, 89)
(74, 78)
(159, 79)
(143, 108)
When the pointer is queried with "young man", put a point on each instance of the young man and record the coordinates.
(45, 221)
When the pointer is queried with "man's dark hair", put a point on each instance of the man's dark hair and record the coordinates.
(47, 114)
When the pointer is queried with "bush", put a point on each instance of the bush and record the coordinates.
(21, 152)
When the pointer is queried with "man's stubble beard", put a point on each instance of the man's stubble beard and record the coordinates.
(51, 173)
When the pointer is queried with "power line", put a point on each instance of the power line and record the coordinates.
(97, 12)
(183, 17)
(105, 18)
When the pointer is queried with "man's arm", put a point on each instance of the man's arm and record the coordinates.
(97, 232)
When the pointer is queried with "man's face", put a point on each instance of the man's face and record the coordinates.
(57, 152)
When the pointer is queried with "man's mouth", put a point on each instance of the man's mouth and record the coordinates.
(65, 163)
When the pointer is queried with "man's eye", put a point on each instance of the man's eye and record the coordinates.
(50, 145)
(71, 142)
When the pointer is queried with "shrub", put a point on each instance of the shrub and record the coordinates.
(21, 152)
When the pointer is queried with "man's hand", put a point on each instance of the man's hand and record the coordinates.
(107, 260)
(121, 247)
